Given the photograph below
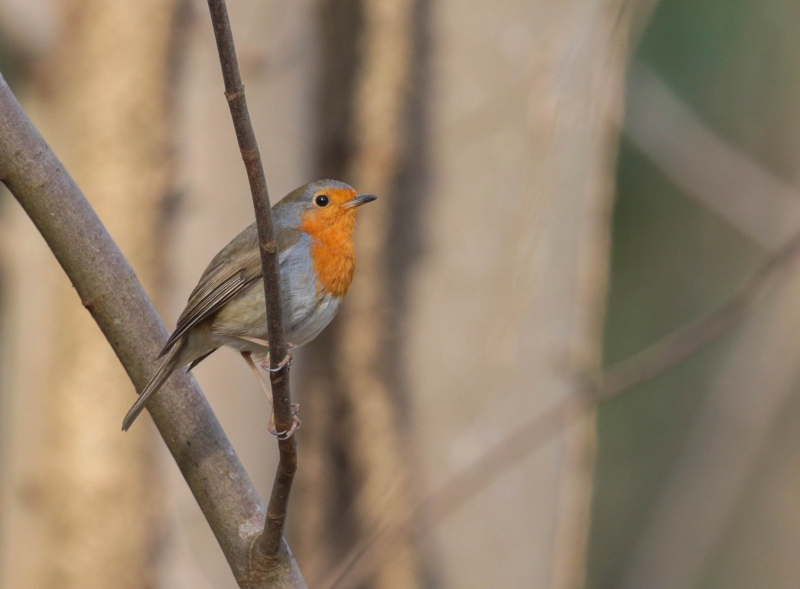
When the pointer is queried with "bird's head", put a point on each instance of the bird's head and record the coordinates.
(326, 210)
(322, 206)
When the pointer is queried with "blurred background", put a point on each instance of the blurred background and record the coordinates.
(563, 185)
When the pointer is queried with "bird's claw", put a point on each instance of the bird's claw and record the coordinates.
(296, 424)
(287, 361)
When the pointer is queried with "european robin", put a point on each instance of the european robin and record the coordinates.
(314, 229)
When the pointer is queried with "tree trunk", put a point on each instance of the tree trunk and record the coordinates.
(506, 309)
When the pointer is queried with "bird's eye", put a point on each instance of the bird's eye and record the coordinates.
(321, 200)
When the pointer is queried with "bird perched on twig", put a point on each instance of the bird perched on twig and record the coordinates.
(314, 230)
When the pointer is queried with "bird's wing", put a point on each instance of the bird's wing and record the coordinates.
(231, 271)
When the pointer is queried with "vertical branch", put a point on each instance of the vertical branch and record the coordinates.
(234, 92)
(580, 423)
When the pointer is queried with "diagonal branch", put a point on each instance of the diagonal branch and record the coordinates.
(271, 542)
(110, 291)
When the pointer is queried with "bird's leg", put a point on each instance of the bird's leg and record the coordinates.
(287, 361)
(259, 342)
(271, 425)
(249, 359)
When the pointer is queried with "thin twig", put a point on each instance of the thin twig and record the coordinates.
(660, 356)
(234, 91)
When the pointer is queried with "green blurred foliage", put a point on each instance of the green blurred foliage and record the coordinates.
(735, 62)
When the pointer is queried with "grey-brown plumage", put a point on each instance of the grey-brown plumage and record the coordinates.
(227, 305)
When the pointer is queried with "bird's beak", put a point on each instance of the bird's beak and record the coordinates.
(359, 200)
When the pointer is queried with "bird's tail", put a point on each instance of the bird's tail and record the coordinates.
(167, 367)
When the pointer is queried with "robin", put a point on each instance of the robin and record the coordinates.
(314, 230)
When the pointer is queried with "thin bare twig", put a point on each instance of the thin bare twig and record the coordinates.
(271, 541)
(660, 356)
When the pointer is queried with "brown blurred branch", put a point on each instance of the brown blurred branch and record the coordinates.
(110, 291)
(270, 549)
(660, 356)
(377, 443)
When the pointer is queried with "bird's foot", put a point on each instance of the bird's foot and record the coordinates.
(285, 435)
(287, 361)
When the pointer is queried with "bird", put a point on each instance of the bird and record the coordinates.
(314, 227)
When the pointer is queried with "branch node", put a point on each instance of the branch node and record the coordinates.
(91, 304)
(251, 155)
(231, 96)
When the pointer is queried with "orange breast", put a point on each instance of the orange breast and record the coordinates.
(332, 251)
